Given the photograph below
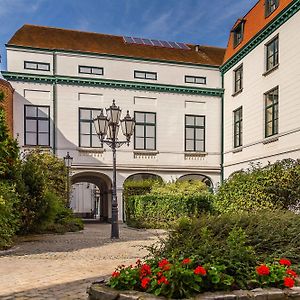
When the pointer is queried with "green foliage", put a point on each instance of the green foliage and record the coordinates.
(273, 186)
(8, 216)
(167, 202)
(236, 241)
(9, 150)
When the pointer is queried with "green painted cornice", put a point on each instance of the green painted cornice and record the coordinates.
(104, 55)
(280, 19)
(114, 84)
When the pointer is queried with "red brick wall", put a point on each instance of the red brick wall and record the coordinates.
(8, 102)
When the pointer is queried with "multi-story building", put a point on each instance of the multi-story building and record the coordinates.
(62, 78)
(197, 112)
(261, 77)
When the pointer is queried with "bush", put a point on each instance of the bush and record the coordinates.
(9, 219)
(236, 241)
(273, 186)
(168, 202)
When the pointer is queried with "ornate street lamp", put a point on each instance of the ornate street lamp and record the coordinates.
(107, 129)
(68, 163)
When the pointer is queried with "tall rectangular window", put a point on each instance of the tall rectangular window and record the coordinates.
(194, 133)
(37, 125)
(145, 131)
(238, 34)
(87, 134)
(195, 79)
(238, 127)
(33, 65)
(90, 70)
(271, 112)
(272, 54)
(145, 75)
(270, 6)
(238, 79)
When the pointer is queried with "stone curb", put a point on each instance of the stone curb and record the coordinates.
(99, 291)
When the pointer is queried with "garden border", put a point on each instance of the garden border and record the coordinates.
(100, 291)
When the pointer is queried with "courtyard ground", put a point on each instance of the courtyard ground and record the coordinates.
(62, 266)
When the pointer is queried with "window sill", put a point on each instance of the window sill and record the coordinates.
(194, 154)
(90, 150)
(145, 154)
(237, 149)
(142, 151)
(237, 92)
(271, 70)
(271, 139)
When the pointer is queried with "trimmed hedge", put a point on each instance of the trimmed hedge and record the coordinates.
(165, 203)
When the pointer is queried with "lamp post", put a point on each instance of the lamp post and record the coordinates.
(107, 129)
(68, 163)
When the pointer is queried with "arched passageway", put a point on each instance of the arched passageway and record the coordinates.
(199, 177)
(143, 176)
(91, 195)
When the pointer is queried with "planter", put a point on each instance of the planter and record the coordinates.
(99, 291)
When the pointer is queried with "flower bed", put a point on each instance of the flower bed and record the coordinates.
(187, 277)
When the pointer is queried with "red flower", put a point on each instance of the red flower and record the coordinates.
(285, 262)
(159, 274)
(262, 270)
(291, 272)
(145, 270)
(186, 261)
(115, 274)
(164, 265)
(200, 271)
(145, 282)
(163, 280)
(289, 282)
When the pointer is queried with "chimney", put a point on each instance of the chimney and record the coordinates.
(197, 48)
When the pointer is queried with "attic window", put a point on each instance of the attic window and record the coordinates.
(270, 6)
(238, 34)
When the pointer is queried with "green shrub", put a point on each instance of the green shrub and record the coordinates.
(237, 241)
(273, 186)
(9, 219)
(167, 202)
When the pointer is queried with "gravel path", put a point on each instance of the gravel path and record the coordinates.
(62, 266)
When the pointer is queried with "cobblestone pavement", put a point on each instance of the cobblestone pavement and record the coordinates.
(62, 266)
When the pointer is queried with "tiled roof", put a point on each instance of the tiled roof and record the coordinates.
(5, 83)
(89, 42)
(254, 21)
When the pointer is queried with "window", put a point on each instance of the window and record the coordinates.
(194, 133)
(272, 54)
(271, 112)
(195, 79)
(33, 65)
(238, 127)
(87, 134)
(145, 75)
(37, 125)
(270, 6)
(238, 79)
(90, 70)
(238, 34)
(145, 131)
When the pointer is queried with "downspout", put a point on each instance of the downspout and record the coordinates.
(222, 129)
(54, 104)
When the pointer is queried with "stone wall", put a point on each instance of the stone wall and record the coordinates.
(8, 102)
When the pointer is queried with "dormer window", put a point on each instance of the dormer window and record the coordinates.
(270, 6)
(238, 34)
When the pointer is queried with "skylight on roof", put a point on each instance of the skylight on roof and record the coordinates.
(157, 43)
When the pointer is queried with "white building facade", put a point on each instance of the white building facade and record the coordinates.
(261, 77)
(176, 105)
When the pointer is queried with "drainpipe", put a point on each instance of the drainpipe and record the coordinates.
(222, 130)
(54, 104)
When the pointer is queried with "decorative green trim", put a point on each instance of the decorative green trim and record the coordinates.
(114, 84)
(279, 20)
(114, 56)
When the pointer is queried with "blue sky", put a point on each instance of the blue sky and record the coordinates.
(205, 22)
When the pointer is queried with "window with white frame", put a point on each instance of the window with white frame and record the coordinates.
(145, 75)
(34, 65)
(194, 133)
(37, 125)
(90, 70)
(195, 79)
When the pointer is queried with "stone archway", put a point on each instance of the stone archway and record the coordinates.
(143, 176)
(199, 177)
(104, 186)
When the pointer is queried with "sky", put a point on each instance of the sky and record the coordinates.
(204, 22)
